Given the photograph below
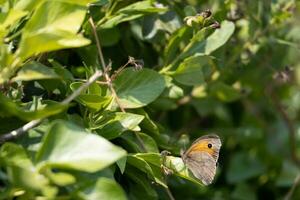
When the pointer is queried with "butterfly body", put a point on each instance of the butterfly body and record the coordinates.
(202, 157)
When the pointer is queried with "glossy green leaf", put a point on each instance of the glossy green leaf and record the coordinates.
(94, 102)
(190, 71)
(141, 187)
(122, 164)
(288, 174)
(154, 172)
(131, 12)
(201, 45)
(60, 178)
(112, 125)
(152, 158)
(104, 188)
(61, 71)
(139, 142)
(174, 42)
(9, 19)
(47, 31)
(35, 71)
(10, 108)
(19, 167)
(19, 176)
(138, 88)
(147, 123)
(6, 60)
(13, 154)
(219, 37)
(68, 146)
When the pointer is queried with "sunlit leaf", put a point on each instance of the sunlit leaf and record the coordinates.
(10, 108)
(190, 71)
(112, 125)
(35, 71)
(138, 88)
(47, 31)
(68, 146)
(132, 11)
(104, 188)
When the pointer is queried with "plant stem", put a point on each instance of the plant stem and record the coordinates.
(288, 122)
(291, 191)
(170, 194)
(101, 57)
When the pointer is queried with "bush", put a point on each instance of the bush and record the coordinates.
(93, 91)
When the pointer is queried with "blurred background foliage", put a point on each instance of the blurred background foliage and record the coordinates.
(178, 71)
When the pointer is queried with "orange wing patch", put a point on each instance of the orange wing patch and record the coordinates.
(202, 146)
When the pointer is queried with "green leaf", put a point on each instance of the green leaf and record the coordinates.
(219, 37)
(35, 71)
(12, 17)
(153, 171)
(287, 175)
(60, 178)
(47, 31)
(6, 60)
(99, 2)
(19, 177)
(48, 108)
(152, 158)
(190, 71)
(147, 124)
(104, 188)
(109, 36)
(173, 45)
(139, 142)
(91, 97)
(224, 92)
(68, 146)
(122, 164)
(214, 41)
(131, 12)
(111, 125)
(13, 154)
(19, 168)
(172, 91)
(60, 70)
(94, 102)
(141, 188)
(138, 88)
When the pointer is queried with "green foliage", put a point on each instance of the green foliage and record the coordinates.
(171, 71)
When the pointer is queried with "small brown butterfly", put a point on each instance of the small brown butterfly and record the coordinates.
(202, 157)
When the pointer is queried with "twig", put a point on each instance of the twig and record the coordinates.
(99, 82)
(22, 130)
(170, 194)
(288, 122)
(106, 76)
(100, 54)
(291, 191)
(119, 70)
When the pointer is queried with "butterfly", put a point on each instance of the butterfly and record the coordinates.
(202, 157)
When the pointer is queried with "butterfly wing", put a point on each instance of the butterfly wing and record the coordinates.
(202, 165)
(201, 158)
